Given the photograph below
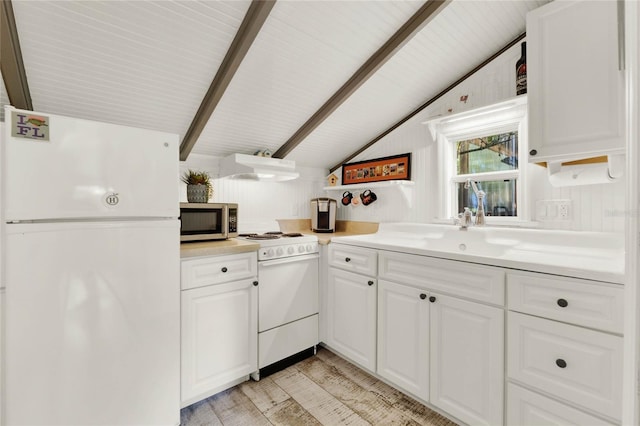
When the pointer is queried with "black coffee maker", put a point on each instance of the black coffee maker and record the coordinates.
(323, 214)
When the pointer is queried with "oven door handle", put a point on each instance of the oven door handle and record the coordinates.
(288, 259)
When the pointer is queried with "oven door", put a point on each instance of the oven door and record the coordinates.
(287, 290)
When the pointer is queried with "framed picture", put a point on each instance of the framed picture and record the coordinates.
(397, 167)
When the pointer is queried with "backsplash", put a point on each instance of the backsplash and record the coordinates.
(260, 201)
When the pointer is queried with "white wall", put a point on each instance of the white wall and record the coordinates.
(261, 201)
(595, 207)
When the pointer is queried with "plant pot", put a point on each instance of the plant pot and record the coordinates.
(197, 193)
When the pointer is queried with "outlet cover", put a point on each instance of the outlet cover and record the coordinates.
(553, 210)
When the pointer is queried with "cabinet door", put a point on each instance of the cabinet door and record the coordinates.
(219, 337)
(351, 316)
(403, 337)
(576, 90)
(467, 359)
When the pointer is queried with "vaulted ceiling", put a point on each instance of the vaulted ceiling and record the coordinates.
(312, 81)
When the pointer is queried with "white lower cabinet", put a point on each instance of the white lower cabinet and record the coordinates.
(527, 408)
(351, 316)
(444, 350)
(577, 364)
(219, 337)
(467, 359)
(439, 334)
(403, 337)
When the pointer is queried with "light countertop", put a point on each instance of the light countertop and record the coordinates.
(589, 255)
(343, 228)
(213, 248)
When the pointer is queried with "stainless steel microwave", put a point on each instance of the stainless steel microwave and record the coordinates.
(208, 221)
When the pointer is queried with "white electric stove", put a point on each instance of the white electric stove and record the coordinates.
(287, 297)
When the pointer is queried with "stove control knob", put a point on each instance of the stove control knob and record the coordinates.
(290, 250)
(301, 249)
(279, 251)
(268, 253)
(309, 247)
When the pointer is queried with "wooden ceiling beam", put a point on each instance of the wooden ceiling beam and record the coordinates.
(11, 65)
(251, 24)
(429, 102)
(417, 22)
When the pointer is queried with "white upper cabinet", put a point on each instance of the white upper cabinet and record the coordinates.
(575, 71)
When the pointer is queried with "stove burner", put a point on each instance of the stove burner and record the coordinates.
(262, 237)
(273, 235)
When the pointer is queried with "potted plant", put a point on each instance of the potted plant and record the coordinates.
(199, 188)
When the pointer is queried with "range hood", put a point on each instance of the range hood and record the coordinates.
(252, 167)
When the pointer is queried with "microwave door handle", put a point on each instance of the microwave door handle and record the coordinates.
(225, 222)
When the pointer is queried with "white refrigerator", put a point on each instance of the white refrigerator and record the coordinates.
(91, 269)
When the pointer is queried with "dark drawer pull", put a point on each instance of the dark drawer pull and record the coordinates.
(423, 296)
(432, 299)
(370, 282)
(563, 303)
(561, 363)
(255, 283)
(347, 259)
(533, 152)
(224, 269)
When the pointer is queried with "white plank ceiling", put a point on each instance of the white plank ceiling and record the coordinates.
(139, 63)
(149, 64)
(462, 36)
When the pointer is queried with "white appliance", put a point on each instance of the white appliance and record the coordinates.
(287, 295)
(253, 167)
(92, 249)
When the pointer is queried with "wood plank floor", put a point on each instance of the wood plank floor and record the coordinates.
(321, 390)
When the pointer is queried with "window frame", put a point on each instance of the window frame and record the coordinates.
(507, 116)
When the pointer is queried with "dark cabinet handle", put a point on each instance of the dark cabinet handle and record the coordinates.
(533, 152)
(224, 269)
(432, 299)
(370, 282)
(423, 296)
(347, 259)
(255, 283)
(563, 303)
(561, 363)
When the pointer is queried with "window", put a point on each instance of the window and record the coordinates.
(483, 146)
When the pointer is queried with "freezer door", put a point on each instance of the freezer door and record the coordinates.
(93, 323)
(89, 169)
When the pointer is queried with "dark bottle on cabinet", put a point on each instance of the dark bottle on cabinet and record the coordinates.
(521, 71)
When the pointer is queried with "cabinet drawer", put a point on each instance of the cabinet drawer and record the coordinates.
(527, 408)
(476, 282)
(354, 259)
(582, 366)
(575, 301)
(218, 269)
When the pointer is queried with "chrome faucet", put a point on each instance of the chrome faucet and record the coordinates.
(480, 195)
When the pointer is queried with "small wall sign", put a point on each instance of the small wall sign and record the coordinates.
(30, 126)
(397, 167)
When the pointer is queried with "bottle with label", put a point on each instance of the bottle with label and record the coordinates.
(521, 71)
